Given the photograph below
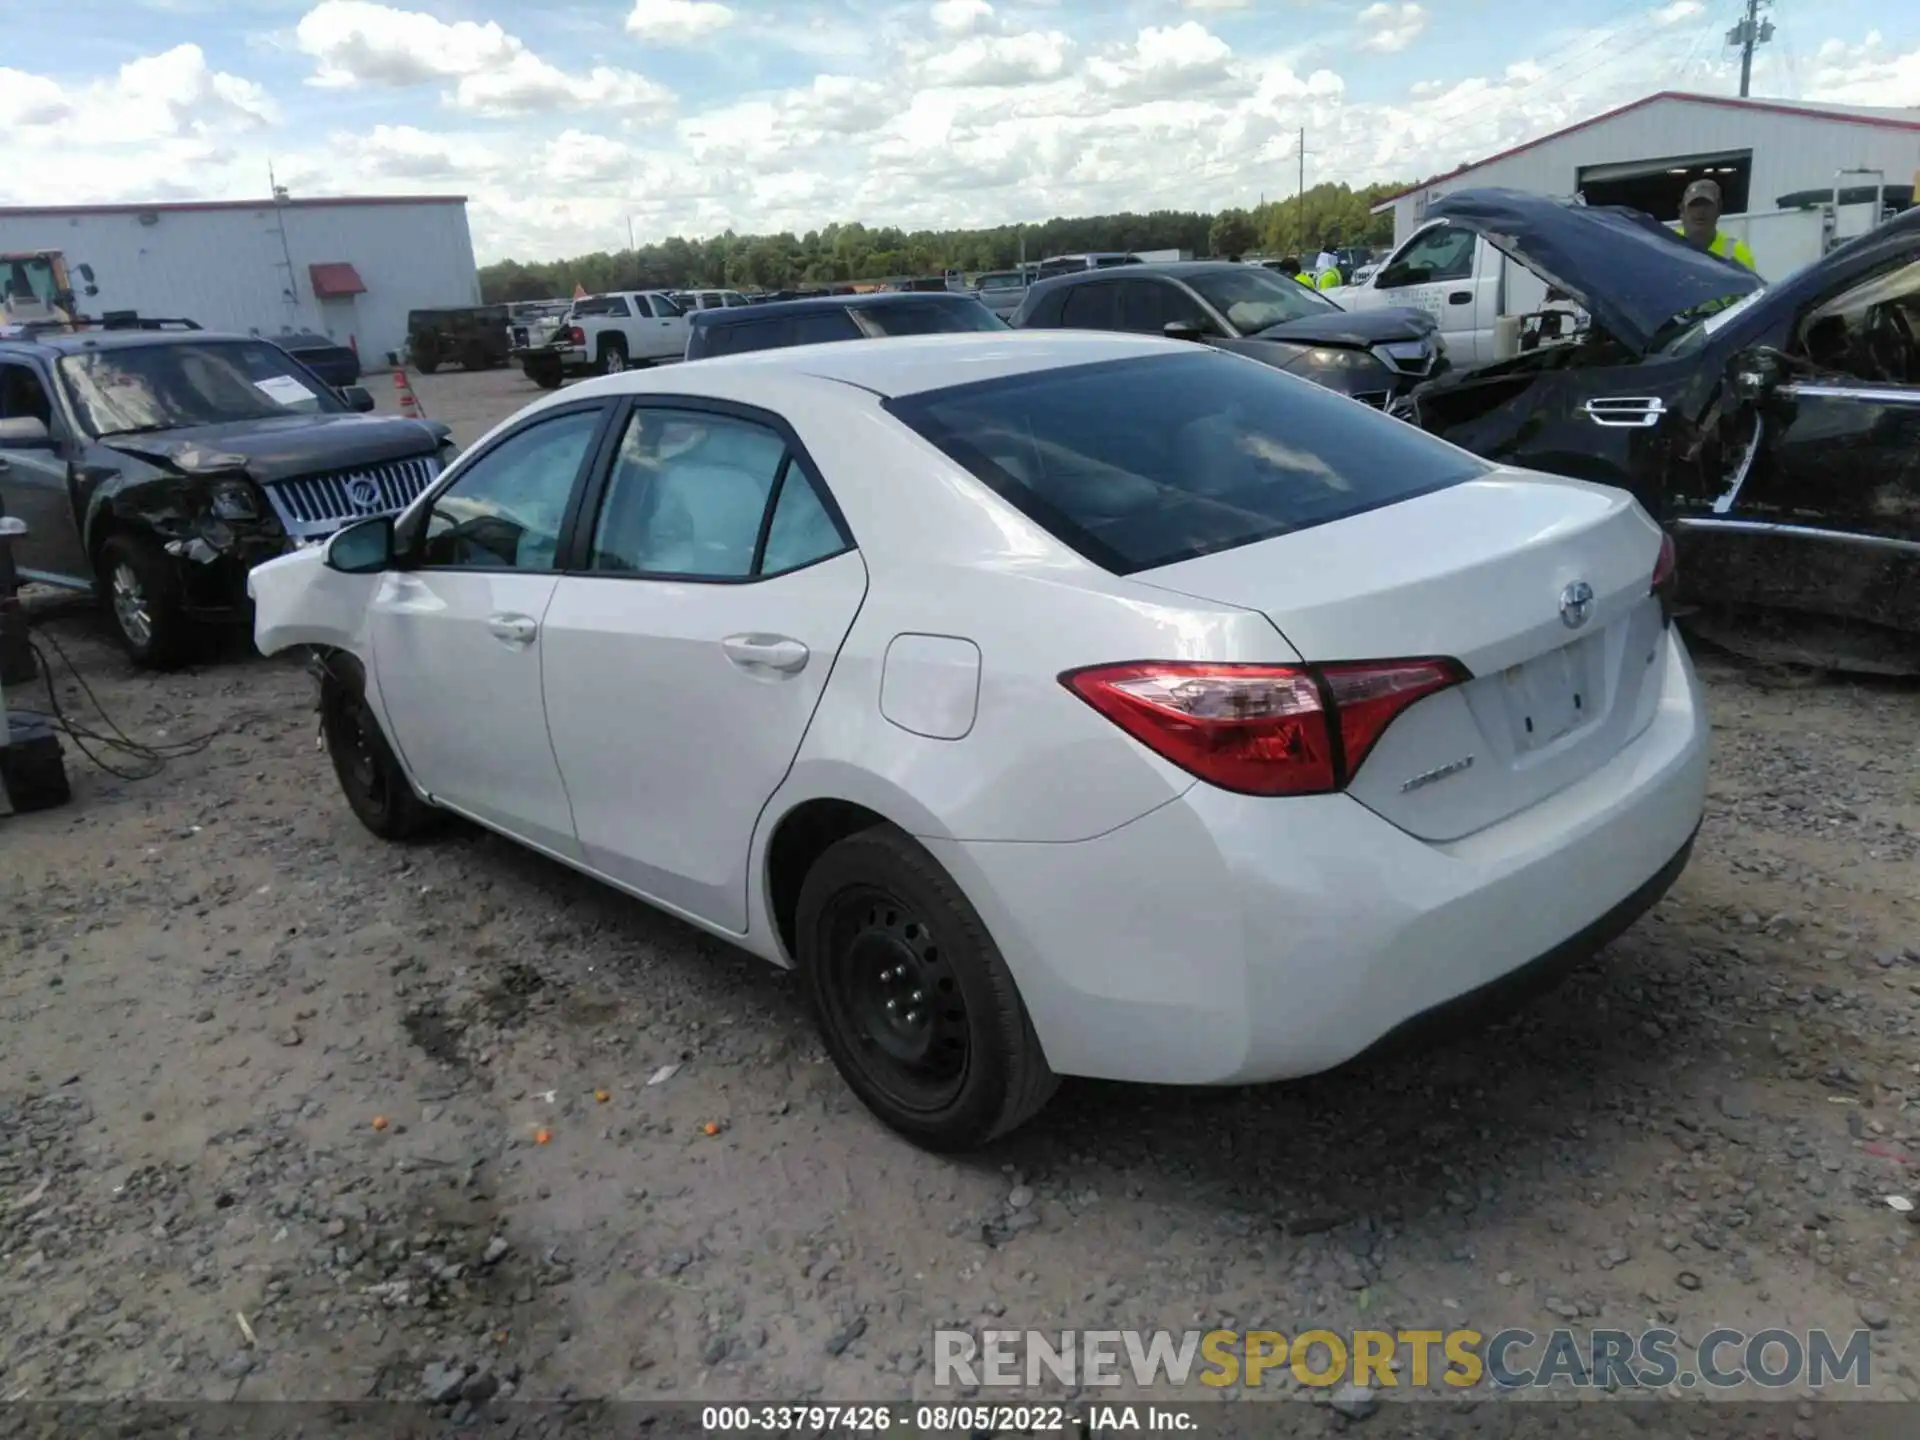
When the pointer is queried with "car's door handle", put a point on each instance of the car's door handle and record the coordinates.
(513, 629)
(1460, 297)
(766, 652)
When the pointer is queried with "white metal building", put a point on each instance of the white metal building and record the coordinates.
(1761, 152)
(348, 268)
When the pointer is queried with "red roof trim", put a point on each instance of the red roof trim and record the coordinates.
(172, 207)
(1727, 102)
(333, 279)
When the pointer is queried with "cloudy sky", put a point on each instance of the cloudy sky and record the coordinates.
(565, 121)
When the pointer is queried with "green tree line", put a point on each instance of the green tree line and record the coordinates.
(1327, 216)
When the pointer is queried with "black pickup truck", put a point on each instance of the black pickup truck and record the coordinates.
(156, 466)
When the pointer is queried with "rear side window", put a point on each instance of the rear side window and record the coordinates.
(1144, 462)
(929, 319)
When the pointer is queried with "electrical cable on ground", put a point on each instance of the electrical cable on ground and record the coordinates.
(148, 760)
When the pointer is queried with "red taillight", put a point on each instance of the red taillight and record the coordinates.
(1261, 729)
(1666, 577)
(576, 336)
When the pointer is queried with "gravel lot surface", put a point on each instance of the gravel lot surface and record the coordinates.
(286, 1112)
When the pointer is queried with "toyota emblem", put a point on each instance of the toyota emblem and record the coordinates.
(1576, 604)
(364, 494)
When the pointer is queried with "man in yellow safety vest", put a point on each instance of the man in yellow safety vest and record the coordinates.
(1290, 265)
(1326, 272)
(1700, 224)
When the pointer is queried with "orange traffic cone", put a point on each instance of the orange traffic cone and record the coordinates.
(409, 406)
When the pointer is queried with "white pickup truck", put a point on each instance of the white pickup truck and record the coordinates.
(622, 329)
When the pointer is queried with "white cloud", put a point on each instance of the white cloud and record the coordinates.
(1676, 12)
(1215, 4)
(996, 117)
(1392, 28)
(677, 22)
(957, 17)
(357, 42)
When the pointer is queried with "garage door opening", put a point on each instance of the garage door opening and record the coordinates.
(1656, 186)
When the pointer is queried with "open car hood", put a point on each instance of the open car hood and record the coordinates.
(1624, 268)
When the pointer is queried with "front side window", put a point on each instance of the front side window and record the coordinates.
(1443, 253)
(505, 510)
(689, 497)
(1140, 463)
(22, 396)
(1147, 307)
(665, 307)
(1253, 299)
(1867, 330)
(127, 389)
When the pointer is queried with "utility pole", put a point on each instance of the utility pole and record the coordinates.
(1300, 222)
(1749, 34)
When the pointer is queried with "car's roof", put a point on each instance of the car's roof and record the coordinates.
(72, 342)
(910, 364)
(1171, 269)
(877, 300)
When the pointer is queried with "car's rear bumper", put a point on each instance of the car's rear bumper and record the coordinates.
(1226, 939)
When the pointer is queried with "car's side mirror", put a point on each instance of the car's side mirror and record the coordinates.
(363, 548)
(1755, 375)
(358, 398)
(1183, 330)
(25, 432)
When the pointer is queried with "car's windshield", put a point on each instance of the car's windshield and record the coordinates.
(931, 319)
(196, 382)
(1140, 463)
(1693, 330)
(1253, 298)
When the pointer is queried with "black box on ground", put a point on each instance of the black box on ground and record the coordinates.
(32, 770)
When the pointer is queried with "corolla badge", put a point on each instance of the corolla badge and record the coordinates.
(1576, 604)
(364, 494)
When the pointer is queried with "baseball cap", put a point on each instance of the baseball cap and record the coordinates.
(1700, 190)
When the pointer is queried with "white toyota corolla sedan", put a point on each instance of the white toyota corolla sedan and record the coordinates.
(1058, 703)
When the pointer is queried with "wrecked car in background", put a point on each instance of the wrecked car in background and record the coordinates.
(155, 468)
(1774, 429)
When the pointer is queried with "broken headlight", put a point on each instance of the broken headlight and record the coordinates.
(235, 500)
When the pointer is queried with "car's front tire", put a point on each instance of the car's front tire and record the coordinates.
(912, 999)
(370, 774)
(139, 582)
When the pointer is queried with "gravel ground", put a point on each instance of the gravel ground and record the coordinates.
(289, 1113)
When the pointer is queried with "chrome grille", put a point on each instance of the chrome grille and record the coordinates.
(315, 505)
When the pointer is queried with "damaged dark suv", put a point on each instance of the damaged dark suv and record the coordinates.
(1775, 429)
(156, 467)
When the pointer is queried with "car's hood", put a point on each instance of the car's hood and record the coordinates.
(285, 446)
(1624, 268)
(1359, 328)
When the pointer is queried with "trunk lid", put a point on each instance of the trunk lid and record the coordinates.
(1479, 572)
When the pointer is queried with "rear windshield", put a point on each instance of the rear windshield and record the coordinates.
(777, 332)
(1142, 463)
(930, 319)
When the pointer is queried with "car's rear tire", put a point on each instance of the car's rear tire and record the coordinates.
(370, 774)
(613, 355)
(546, 374)
(911, 997)
(141, 587)
(426, 361)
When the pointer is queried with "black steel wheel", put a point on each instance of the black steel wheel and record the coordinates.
(912, 998)
(370, 773)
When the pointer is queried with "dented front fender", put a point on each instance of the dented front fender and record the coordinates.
(298, 600)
